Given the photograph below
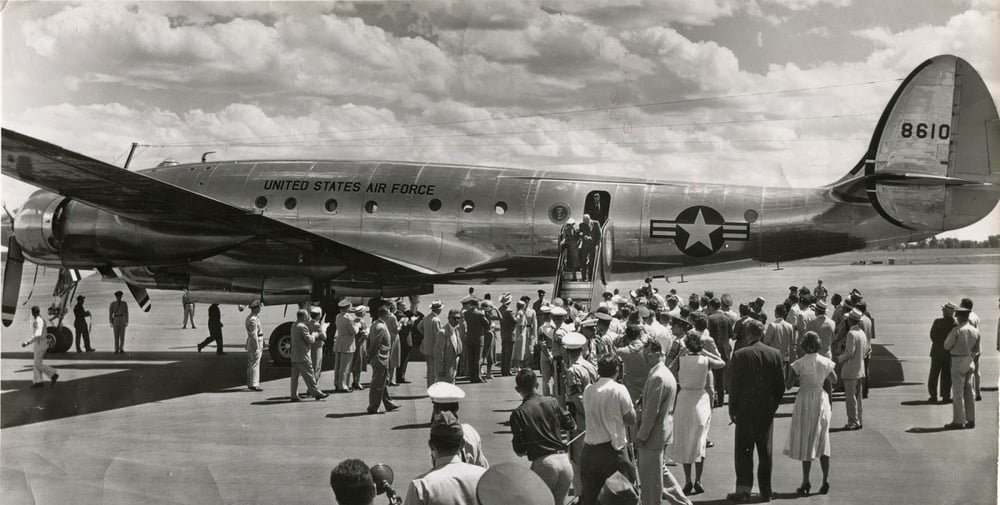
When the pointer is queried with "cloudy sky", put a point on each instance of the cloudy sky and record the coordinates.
(764, 92)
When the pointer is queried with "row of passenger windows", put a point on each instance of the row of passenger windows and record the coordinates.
(371, 206)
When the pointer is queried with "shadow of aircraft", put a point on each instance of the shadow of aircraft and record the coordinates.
(138, 378)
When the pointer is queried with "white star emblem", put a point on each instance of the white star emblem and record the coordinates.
(699, 232)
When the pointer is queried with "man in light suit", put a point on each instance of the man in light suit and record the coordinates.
(379, 347)
(853, 371)
(756, 385)
(448, 348)
(656, 429)
(343, 346)
(433, 331)
(302, 340)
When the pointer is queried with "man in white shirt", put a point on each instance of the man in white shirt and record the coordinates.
(41, 344)
(966, 303)
(609, 409)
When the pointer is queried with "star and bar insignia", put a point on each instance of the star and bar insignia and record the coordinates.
(699, 230)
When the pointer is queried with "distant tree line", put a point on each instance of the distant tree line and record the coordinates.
(993, 241)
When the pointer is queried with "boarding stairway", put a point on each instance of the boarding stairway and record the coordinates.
(587, 292)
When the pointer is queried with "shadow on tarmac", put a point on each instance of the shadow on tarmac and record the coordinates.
(136, 378)
(134, 382)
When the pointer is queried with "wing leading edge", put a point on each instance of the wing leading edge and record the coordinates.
(137, 196)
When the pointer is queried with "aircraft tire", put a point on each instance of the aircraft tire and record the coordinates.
(60, 339)
(280, 345)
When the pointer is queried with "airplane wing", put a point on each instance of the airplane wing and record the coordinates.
(137, 196)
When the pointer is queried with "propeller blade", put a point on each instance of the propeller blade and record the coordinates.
(12, 280)
(140, 295)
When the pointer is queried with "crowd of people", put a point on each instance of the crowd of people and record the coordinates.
(614, 396)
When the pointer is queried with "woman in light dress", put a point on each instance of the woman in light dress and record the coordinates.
(693, 409)
(520, 331)
(809, 435)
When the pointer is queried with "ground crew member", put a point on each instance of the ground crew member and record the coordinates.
(118, 317)
(963, 343)
(450, 480)
(255, 346)
(343, 346)
(819, 292)
(41, 344)
(444, 398)
(188, 310)
(303, 339)
(214, 330)
(80, 324)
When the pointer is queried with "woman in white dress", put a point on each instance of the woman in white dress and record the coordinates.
(693, 409)
(809, 435)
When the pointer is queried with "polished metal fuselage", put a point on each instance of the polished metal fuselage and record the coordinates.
(385, 209)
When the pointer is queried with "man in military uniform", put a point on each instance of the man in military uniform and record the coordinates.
(118, 317)
(188, 310)
(508, 321)
(343, 346)
(546, 330)
(303, 338)
(255, 346)
(360, 358)
(214, 330)
(444, 398)
(819, 292)
(580, 373)
(540, 301)
(80, 324)
(596, 345)
(450, 481)
(963, 343)
(433, 330)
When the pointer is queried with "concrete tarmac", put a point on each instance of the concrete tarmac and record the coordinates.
(166, 425)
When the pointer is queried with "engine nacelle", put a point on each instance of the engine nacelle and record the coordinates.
(58, 231)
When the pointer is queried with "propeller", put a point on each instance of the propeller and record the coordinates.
(140, 295)
(12, 279)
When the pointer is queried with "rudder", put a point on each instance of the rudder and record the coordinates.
(934, 160)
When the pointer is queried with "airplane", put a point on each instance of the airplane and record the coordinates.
(291, 231)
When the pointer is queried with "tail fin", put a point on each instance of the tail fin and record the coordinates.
(934, 160)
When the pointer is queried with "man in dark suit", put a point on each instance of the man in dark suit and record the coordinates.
(590, 236)
(721, 329)
(379, 347)
(756, 384)
(476, 326)
(940, 357)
